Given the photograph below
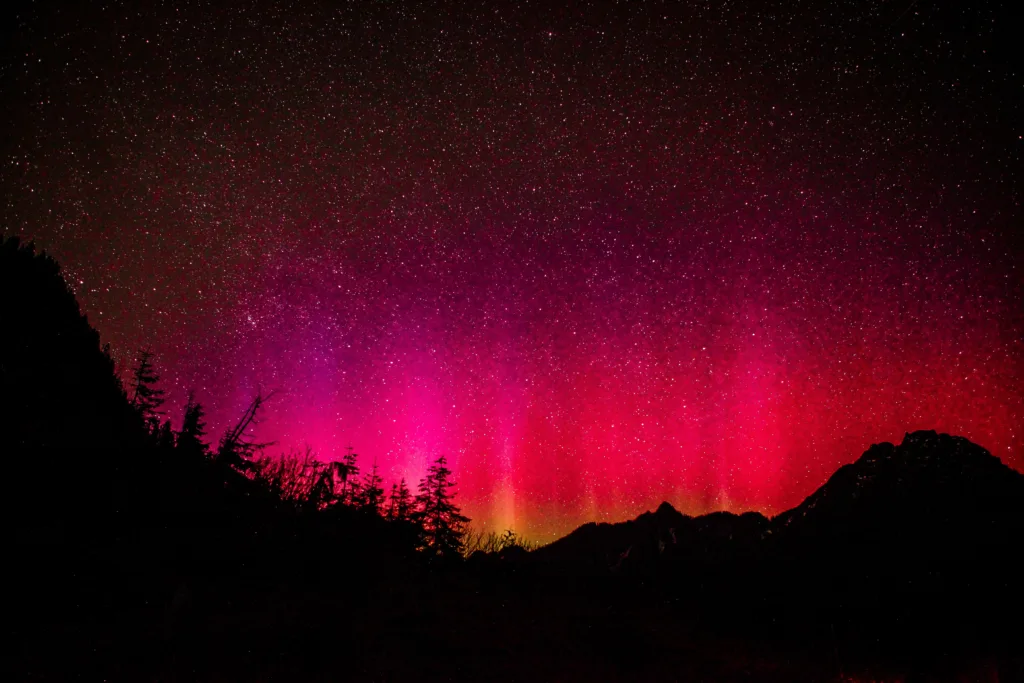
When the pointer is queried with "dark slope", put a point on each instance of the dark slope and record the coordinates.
(925, 501)
(67, 431)
(600, 547)
(82, 458)
(934, 518)
(134, 561)
(909, 555)
(932, 484)
(124, 549)
(653, 541)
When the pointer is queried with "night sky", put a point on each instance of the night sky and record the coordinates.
(600, 255)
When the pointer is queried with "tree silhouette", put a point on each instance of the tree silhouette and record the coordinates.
(237, 448)
(193, 428)
(372, 494)
(62, 406)
(320, 487)
(146, 397)
(165, 436)
(348, 470)
(442, 522)
(298, 479)
(494, 542)
(400, 503)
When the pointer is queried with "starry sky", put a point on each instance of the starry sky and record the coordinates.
(599, 254)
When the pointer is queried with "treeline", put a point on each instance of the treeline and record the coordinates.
(302, 481)
(92, 452)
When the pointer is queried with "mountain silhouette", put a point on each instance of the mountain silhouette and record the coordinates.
(931, 524)
(943, 483)
(653, 541)
(910, 551)
(141, 544)
(922, 504)
(65, 419)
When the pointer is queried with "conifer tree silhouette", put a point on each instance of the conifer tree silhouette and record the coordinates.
(165, 436)
(389, 510)
(146, 397)
(193, 428)
(321, 490)
(400, 502)
(372, 494)
(348, 471)
(443, 524)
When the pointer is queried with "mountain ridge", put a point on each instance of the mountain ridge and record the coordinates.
(930, 479)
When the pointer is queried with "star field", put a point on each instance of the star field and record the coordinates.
(600, 254)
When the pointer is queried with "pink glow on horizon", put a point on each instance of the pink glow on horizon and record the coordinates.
(568, 419)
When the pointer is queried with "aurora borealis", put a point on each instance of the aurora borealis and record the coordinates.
(602, 255)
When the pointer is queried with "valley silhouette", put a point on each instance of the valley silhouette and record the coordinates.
(144, 552)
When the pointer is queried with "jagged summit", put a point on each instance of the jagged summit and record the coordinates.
(664, 516)
(928, 475)
(665, 509)
(929, 490)
(653, 539)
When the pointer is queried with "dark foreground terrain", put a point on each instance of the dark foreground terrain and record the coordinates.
(137, 552)
(294, 601)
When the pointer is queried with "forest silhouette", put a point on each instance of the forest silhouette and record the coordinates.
(114, 445)
(141, 551)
